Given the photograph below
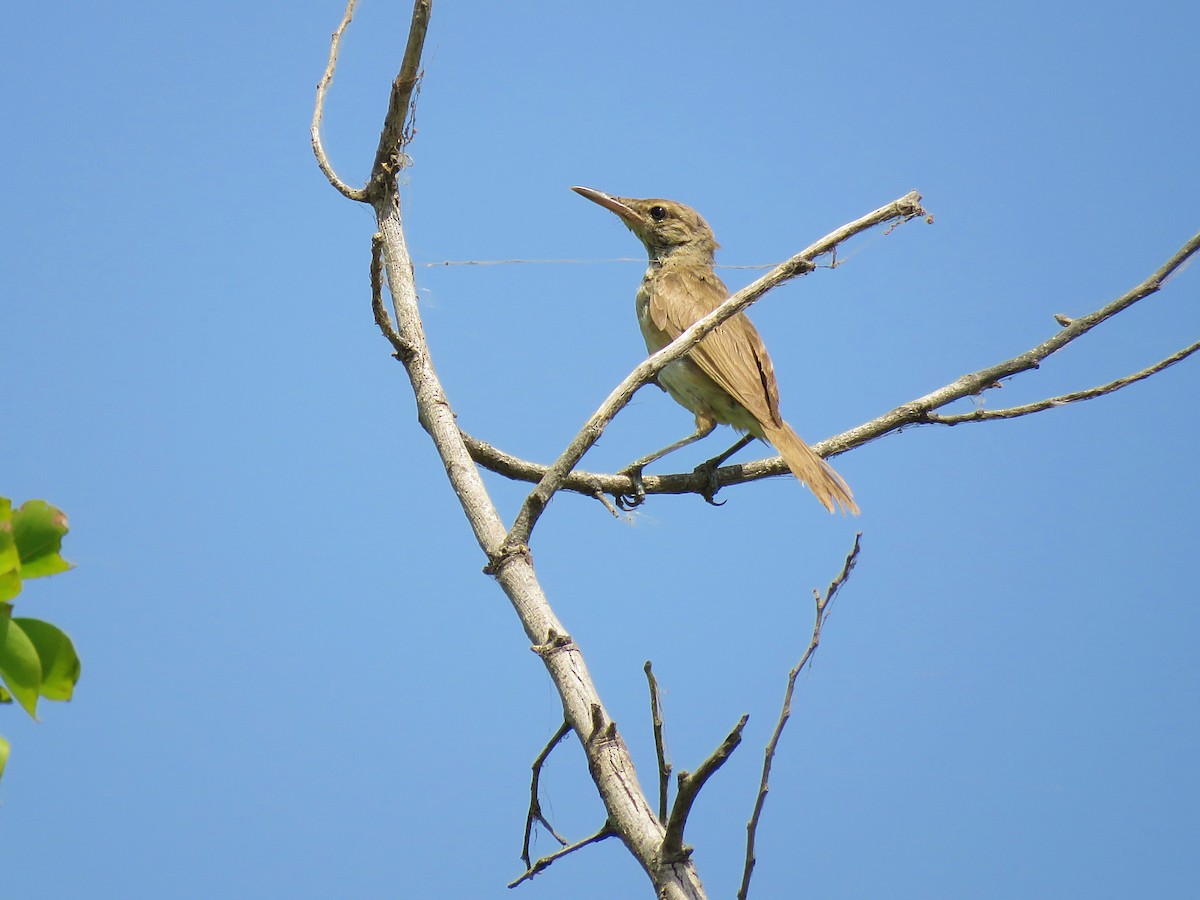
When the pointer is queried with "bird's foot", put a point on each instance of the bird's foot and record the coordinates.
(637, 497)
(709, 491)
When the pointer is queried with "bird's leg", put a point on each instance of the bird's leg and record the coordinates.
(702, 431)
(704, 427)
(709, 468)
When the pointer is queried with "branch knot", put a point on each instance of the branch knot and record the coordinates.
(554, 641)
(508, 551)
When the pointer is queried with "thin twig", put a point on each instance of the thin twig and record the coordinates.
(917, 411)
(606, 831)
(903, 209)
(688, 790)
(664, 767)
(914, 412)
(823, 607)
(319, 111)
(1013, 412)
(602, 499)
(535, 805)
(402, 347)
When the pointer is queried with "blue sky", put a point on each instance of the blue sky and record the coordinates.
(297, 682)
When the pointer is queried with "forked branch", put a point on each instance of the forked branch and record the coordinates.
(398, 128)
(688, 789)
(629, 813)
(919, 411)
(901, 210)
(335, 45)
(397, 124)
(606, 831)
(535, 805)
(1013, 412)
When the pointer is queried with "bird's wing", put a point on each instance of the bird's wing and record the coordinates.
(733, 355)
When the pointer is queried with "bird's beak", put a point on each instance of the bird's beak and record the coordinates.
(627, 214)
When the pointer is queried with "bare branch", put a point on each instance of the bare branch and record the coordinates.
(389, 157)
(397, 123)
(535, 805)
(688, 790)
(606, 831)
(582, 482)
(664, 767)
(1012, 412)
(823, 607)
(495, 459)
(319, 111)
(603, 500)
(903, 209)
(402, 347)
(609, 761)
(915, 412)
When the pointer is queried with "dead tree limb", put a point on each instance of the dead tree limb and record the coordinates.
(919, 411)
(656, 723)
(823, 603)
(535, 804)
(688, 789)
(606, 831)
(629, 812)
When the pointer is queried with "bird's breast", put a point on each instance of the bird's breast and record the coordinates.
(683, 379)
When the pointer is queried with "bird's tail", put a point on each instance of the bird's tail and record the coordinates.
(825, 483)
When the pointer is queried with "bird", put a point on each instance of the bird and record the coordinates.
(727, 378)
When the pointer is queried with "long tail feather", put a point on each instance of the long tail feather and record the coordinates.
(825, 483)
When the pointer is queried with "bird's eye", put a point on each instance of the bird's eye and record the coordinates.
(658, 213)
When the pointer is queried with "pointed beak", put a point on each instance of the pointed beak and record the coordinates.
(613, 204)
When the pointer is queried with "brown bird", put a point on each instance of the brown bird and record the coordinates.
(728, 376)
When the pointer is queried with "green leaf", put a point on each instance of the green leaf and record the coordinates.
(3, 754)
(38, 530)
(10, 560)
(5, 696)
(56, 652)
(20, 668)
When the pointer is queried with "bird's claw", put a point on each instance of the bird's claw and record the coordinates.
(709, 491)
(630, 501)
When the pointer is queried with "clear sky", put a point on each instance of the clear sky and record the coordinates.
(297, 683)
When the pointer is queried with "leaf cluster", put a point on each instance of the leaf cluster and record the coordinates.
(37, 659)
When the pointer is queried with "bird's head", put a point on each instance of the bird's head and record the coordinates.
(665, 227)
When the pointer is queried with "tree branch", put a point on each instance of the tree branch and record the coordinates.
(823, 608)
(398, 129)
(915, 412)
(609, 761)
(402, 347)
(901, 210)
(535, 805)
(688, 790)
(1013, 412)
(664, 767)
(606, 831)
(319, 111)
